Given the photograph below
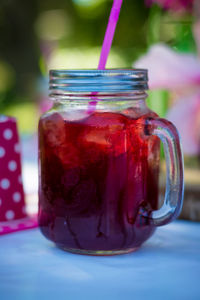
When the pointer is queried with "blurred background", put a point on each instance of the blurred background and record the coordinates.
(161, 35)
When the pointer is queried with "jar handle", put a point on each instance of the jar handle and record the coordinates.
(173, 201)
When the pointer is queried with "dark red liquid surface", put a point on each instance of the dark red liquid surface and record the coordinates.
(96, 174)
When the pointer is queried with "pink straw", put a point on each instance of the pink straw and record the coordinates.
(110, 31)
(107, 43)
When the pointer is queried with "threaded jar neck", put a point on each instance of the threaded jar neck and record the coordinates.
(101, 84)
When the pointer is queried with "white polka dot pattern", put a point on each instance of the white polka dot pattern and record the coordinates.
(5, 184)
(11, 189)
(10, 215)
(2, 152)
(12, 165)
(8, 134)
(16, 197)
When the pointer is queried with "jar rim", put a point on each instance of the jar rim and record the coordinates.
(112, 70)
(101, 81)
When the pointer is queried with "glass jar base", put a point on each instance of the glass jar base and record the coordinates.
(99, 252)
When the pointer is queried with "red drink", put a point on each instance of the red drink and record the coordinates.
(97, 173)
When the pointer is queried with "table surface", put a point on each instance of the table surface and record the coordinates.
(167, 266)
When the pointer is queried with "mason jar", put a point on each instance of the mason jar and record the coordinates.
(99, 153)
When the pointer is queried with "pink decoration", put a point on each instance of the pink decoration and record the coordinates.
(12, 204)
(174, 5)
(169, 69)
(110, 31)
(179, 73)
(185, 114)
(18, 225)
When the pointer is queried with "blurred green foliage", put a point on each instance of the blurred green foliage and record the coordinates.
(20, 46)
(39, 34)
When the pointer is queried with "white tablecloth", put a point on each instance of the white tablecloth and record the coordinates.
(166, 267)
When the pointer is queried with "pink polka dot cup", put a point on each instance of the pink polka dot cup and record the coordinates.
(13, 215)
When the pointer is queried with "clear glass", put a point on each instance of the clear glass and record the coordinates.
(99, 152)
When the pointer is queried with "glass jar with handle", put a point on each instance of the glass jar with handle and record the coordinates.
(99, 153)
